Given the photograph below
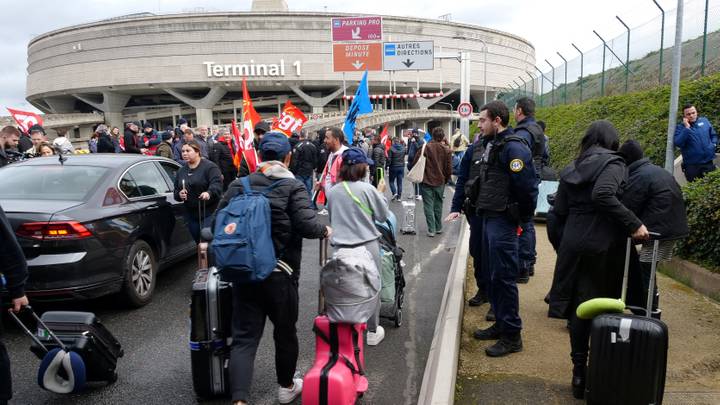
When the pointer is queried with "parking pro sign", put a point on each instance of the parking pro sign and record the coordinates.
(411, 55)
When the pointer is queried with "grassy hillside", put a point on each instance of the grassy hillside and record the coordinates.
(640, 115)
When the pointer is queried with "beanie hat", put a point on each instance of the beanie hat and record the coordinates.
(631, 151)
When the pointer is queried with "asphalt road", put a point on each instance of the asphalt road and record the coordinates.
(156, 365)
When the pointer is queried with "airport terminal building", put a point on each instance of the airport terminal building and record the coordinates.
(158, 68)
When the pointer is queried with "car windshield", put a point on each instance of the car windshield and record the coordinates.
(68, 183)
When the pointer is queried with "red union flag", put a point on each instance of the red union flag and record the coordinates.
(291, 120)
(25, 119)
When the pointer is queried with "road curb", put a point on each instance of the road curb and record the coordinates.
(695, 276)
(438, 384)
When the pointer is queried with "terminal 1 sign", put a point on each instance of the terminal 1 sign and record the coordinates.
(251, 69)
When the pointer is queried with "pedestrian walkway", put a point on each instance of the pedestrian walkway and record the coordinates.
(541, 373)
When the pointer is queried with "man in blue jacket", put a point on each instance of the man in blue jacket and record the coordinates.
(697, 141)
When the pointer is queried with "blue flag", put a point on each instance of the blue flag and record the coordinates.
(360, 105)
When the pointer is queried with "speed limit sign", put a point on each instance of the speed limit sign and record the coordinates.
(465, 109)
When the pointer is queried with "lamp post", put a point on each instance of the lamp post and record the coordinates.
(565, 85)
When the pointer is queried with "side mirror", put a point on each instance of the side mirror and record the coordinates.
(206, 235)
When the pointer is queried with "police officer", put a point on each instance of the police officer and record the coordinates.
(528, 129)
(468, 173)
(504, 196)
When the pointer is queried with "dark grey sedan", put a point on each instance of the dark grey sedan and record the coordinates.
(95, 224)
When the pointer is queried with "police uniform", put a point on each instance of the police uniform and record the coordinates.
(504, 195)
(529, 129)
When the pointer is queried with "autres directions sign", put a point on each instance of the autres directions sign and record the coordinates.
(409, 55)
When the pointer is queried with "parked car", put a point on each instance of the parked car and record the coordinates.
(95, 224)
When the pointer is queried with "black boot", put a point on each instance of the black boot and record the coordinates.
(491, 333)
(531, 270)
(578, 381)
(490, 316)
(508, 343)
(478, 299)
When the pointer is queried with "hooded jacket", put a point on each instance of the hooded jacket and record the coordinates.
(14, 266)
(655, 197)
(291, 217)
(396, 155)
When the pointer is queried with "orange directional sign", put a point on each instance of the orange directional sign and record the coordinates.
(357, 57)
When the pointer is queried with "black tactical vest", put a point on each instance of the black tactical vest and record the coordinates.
(493, 181)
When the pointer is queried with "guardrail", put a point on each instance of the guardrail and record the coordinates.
(438, 384)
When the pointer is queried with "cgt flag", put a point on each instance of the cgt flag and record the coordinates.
(250, 119)
(291, 120)
(385, 139)
(360, 105)
(25, 119)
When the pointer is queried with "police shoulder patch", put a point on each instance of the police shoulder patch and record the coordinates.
(516, 165)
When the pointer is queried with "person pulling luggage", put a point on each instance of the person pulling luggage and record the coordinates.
(275, 297)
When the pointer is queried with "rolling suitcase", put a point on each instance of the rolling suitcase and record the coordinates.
(210, 330)
(337, 375)
(408, 226)
(628, 354)
(84, 334)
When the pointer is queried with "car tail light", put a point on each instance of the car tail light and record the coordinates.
(113, 197)
(53, 230)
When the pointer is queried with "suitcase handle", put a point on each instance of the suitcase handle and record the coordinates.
(653, 270)
(32, 335)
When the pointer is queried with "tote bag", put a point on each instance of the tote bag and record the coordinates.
(417, 172)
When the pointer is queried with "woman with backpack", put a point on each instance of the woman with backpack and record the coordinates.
(199, 185)
(354, 207)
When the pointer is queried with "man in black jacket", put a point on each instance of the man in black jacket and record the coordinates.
(276, 297)
(222, 156)
(132, 143)
(12, 277)
(105, 143)
(655, 197)
(304, 160)
(379, 157)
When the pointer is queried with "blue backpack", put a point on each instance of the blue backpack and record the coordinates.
(242, 244)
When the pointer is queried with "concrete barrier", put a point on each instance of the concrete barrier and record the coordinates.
(696, 277)
(438, 384)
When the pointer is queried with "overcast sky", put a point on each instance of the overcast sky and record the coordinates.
(549, 25)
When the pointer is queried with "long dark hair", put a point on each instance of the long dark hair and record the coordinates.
(600, 133)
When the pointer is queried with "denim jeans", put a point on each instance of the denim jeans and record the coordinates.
(308, 182)
(397, 173)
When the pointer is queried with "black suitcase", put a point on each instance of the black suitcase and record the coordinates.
(210, 331)
(628, 354)
(83, 333)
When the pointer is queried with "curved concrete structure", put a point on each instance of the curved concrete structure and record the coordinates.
(134, 65)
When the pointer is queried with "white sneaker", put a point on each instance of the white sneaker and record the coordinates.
(374, 339)
(323, 212)
(287, 395)
(418, 197)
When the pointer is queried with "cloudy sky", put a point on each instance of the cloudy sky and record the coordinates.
(550, 25)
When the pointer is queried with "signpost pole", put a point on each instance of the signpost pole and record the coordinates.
(465, 90)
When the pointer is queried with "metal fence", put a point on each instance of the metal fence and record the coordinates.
(638, 59)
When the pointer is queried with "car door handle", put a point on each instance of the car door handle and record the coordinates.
(152, 207)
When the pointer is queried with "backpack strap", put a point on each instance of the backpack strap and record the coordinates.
(247, 188)
(360, 204)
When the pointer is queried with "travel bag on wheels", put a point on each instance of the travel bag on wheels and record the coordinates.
(210, 330)
(628, 353)
(84, 334)
(337, 376)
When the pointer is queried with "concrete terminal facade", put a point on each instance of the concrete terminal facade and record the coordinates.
(161, 67)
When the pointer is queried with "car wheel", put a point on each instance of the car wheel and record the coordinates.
(140, 273)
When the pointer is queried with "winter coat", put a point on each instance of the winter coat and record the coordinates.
(205, 177)
(415, 143)
(304, 159)
(105, 144)
(438, 164)
(14, 265)
(24, 143)
(131, 142)
(594, 226)
(696, 143)
(223, 158)
(164, 150)
(378, 155)
(396, 155)
(655, 197)
(291, 217)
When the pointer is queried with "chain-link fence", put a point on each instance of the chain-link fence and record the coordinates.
(639, 59)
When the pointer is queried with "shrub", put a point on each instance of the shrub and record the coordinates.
(702, 200)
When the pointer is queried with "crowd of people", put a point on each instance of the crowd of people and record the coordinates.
(607, 194)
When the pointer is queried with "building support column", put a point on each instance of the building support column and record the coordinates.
(203, 106)
(112, 105)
